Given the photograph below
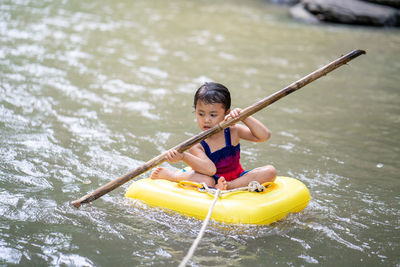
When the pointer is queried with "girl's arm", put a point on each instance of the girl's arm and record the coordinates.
(196, 159)
(255, 130)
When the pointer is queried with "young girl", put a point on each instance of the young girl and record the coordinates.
(215, 160)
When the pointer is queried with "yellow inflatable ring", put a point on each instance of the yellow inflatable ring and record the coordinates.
(286, 195)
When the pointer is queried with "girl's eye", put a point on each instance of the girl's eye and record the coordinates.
(213, 115)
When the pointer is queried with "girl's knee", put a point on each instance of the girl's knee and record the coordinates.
(270, 172)
(271, 169)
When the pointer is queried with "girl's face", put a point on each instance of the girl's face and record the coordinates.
(209, 115)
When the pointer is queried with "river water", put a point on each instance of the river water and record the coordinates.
(93, 89)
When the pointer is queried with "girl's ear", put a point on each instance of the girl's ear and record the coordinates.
(228, 111)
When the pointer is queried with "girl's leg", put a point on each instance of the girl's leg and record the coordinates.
(174, 176)
(262, 175)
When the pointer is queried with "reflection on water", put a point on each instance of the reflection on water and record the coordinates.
(92, 90)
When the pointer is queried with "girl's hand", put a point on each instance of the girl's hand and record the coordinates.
(234, 114)
(174, 156)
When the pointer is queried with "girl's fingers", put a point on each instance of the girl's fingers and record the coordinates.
(235, 113)
(170, 155)
(173, 156)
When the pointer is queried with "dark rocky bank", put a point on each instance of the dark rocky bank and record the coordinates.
(380, 13)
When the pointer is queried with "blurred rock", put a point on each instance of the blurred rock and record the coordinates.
(285, 2)
(299, 12)
(346, 11)
(393, 3)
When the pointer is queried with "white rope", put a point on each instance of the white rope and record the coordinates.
(253, 186)
(201, 233)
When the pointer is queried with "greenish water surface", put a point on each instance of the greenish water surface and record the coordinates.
(93, 89)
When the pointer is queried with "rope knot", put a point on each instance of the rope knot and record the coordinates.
(255, 186)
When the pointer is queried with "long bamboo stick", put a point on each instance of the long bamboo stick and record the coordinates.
(224, 124)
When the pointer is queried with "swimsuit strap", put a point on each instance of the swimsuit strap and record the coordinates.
(227, 132)
(206, 148)
(228, 142)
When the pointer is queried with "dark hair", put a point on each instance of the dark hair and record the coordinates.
(211, 93)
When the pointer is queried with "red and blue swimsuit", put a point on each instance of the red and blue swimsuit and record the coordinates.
(226, 160)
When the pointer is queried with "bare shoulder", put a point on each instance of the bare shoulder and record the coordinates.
(198, 151)
(235, 133)
(197, 148)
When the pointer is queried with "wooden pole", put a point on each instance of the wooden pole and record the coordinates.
(205, 134)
